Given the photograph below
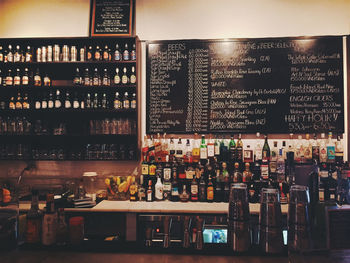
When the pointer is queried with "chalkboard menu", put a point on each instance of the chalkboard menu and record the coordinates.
(274, 85)
(111, 17)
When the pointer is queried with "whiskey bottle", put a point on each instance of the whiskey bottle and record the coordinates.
(247, 174)
(77, 78)
(149, 194)
(9, 55)
(97, 55)
(237, 175)
(106, 54)
(133, 101)
(133, 52)
(239, 149)
(17, 78)
(76, 103)
(315, 149)
(47, 80)
(116, 76)
(104, 101)
(125, 78)
(95, 102)
(339, 151)
(232, 150)
(58, 102)
(96, 78)
(196, 149)
(117, 54)
(37, 78)
(133, 190)
(248, 156)
(25, 77)
(179, 151)
(117, 102)
(17, 57)
(12, 104)
(50, 102)
(210, 148)
(9, 78)
(28, 55)
(132, 75)
(105, 79)
(323, 149)
(126, 55)
(167, 179)
(194, 189)
(202, 194)
(308, 149)
(210, 191)
(141, 193)
(87, 78)
(37, 103)
(67, 102)
(126, 101)
(89, 54)
(19, 102)
(25, 103)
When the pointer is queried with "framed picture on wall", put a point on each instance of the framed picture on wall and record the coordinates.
(112, 17)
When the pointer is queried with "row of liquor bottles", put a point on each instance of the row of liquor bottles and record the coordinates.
(24, 126)
(66, 53)
(51, 100)
(96, 78)
(301, 150)
(104, 151)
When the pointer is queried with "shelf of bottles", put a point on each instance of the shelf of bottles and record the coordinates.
(68, 98)
(203, 169)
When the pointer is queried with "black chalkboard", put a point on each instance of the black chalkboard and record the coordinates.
(111, 17)
(274, 85)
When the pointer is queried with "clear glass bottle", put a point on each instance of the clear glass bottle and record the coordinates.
(159, 189)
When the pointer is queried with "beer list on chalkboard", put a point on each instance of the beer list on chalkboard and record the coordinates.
(278, 85)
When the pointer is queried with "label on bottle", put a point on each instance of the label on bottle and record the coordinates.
(323, 154)
(50, 104)
(167, 173)
(133, 104)
(9, 80)
(248, 155)
(273, 166)
(149, 195)
(133, 79)
(17, 80)
(37, 105)
(324, 174)
(330, 152)
(211, 150)
(321, 195)
(159, 192)
(126, 104)
(75, 104)
(117, 55)
(97, 56)
(25, 80)
(126, 55)
(210, 193)
(194, 189)
(190, 173)
(152, 169)
(195, 153)
(124, 79)
(67, 104)
(44, 104)
(133, 55)
(203, 153)
(175, 191)
(37, 80)
(166, 187)
(264, 171)
(58, 104)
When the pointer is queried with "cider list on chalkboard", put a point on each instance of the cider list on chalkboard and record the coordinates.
(279, 85)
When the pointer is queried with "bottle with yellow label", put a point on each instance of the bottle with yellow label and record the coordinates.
(133, 190)
(210, 191)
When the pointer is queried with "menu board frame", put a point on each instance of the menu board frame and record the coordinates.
(338, 47)
(95, 14)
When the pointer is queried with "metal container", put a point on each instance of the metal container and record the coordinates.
(270, 222)
(299, 234)
(239, 234)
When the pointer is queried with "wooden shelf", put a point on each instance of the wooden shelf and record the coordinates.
(15, 64)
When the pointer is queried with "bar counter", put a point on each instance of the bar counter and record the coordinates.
(158, 207)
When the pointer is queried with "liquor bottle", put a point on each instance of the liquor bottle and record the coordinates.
(9, 55)
(77, 78)
(95, 102)
(159, 189)
(117, 102)
(172, 150)
(202, 194)
(58, 102)
(299, 150)
(239, 149)
(223, 151)
(25, 104)
(37, 78)
(181, 170)
(1, 54)
(217, 149)
(308, 149)
(106, 55)
(184, 196)
(86, 80)
(104, 102)
(190, 172)
(133, 52)
(203, 151)
(248, 156)
(258, 148)
(125, 79)
(9, 78)
(281, 167)
(12, 104)
(315, 149)
(188, 152)
(132, 75)
(194, 189)
(28, 55)
(323, 184)
(18, 104)
(133, 190)
(133, 101)
(218, 188)
(330, 149)
(149, 194)
(264, 169)
(67, 102)
(97, 55)
(339, 151)
(196, 149)
(226, 180)
(332, 183)
(237, 175)
(323, 149)
(210, 148)
(17, 57)
(96, 78)
(126, 101)
(47, 80)
(50, 102)
(179, 151)
(273, 159)
(25, 77)
(126, 55)
(17, 78)
(247, 174)
(62, 228)
(49, 225)
(210, 191)
(167, 179)
(117, 54)
(164, 143)
(232, 150)
(76, 103)
(33, 222)
(174, 186)
(89, 54)
(105, 79)
(141, 192)
(266, 150)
